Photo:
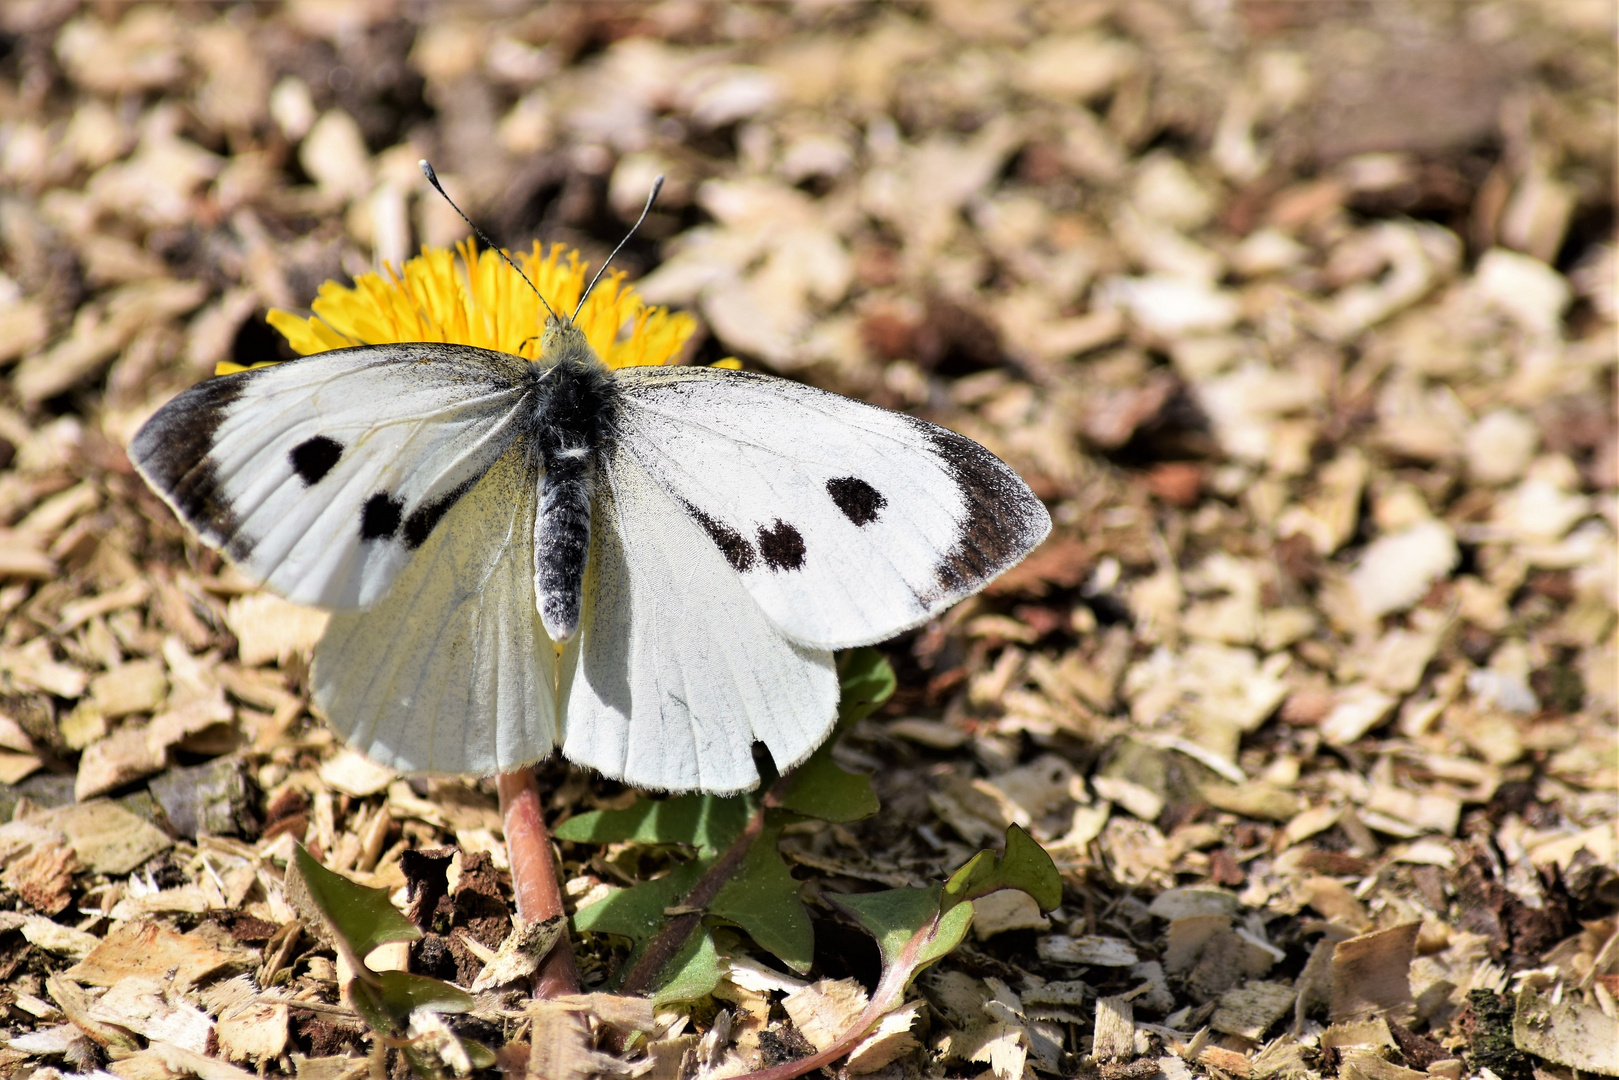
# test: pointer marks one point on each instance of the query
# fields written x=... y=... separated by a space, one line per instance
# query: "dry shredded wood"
x=1300 y=317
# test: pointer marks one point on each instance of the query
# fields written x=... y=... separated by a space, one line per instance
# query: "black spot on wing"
x=1002 y=521
x=313 y=458
x=425 y=518
x=379 y=517
x=732 y=544
x=859 y=501
x=782 y=546
x=172 y=451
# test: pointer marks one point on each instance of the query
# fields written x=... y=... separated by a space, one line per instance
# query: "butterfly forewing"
x=322 y=476
x=675 y=671
x=846 y=523
x=452 y=671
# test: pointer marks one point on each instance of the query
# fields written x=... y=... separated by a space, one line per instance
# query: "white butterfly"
x=649 y=567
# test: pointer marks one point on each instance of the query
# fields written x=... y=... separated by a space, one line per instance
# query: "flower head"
x=486 y=304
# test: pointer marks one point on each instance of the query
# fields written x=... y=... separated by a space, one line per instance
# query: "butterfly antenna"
x=432 y=178
x=652 y=196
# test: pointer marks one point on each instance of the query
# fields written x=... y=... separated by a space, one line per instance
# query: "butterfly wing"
x=675 y=671
x=320 y=477
x=845 y=522
x=451 y=671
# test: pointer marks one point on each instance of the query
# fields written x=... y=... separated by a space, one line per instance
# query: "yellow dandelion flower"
x=486 y=304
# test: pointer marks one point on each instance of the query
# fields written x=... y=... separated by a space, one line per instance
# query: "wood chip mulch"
x=1300 y=317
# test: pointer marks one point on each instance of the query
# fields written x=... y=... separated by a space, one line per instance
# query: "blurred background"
x=1298 y=313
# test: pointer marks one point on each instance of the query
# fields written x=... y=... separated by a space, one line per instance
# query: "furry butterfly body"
x=647 y=567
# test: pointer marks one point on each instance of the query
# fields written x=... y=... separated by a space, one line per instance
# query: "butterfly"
x=649 y=567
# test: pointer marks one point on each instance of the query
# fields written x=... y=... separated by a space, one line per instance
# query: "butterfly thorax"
x=574 y=421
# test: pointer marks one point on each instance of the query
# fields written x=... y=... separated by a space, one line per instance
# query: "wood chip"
x=562 y=1047
x=1395 y=570
x=520 y=954
x=139 y=686
x=163 y=1061
x=76 y=613
x=1094 y=949
x=51 y=936
x=1371 y=974
x=889 y=1041
x=823 y=1011
x=1115 y=1035
x=123 y=756
x=147 y=1006
x=106 y=837
x=1009 y=909
x=32 y=666
x=1252 y=1008
x=268 y=629
x=139 y=948
x=42 y=877
x=1558 y=1025
x=355 y=775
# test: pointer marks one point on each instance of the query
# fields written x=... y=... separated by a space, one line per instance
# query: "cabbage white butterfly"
x=648 y=567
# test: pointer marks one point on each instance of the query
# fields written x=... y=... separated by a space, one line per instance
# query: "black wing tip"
x=171 y=453
x=1004 y=519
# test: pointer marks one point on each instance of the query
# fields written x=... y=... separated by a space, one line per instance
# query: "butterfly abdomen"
x=575 y=421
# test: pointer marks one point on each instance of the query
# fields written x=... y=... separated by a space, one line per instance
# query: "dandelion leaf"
x=893 y=916
x=693 y=972
x=406 y=993
x=763 y=900
x=867 y=680
x=916 y=926
x=359 y=916
x=1024 y=865
x=824 y=790
x=706 y=822
x=637 y=912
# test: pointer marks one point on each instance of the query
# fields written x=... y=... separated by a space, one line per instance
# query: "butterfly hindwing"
x=675 y=671
x=845 y=522
x=452 y=671
x=320 y=477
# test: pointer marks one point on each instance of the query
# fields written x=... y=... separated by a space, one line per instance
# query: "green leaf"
x=693 y=972
x=762 y=898
x=1024 y=865
x=386 y=1004
x=915 y=927
x=367 y=1001
x=420 y=1064
x=403 y=993
x=361 y=916
x=480 y=1055
x=823 y=789
x=706 y=822
x=867 y=681
x=910 y=928
x=893 y=916
x=637 y=912
x=944 y=937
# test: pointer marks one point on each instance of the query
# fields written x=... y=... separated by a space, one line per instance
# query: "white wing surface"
x=320 y=477
x=675 y=671
x=845 y=522
x=452 y=671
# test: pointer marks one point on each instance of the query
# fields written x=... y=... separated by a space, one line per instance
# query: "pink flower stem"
x=534 y=876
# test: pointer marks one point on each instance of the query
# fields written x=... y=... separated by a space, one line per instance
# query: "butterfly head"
x=562 y=341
